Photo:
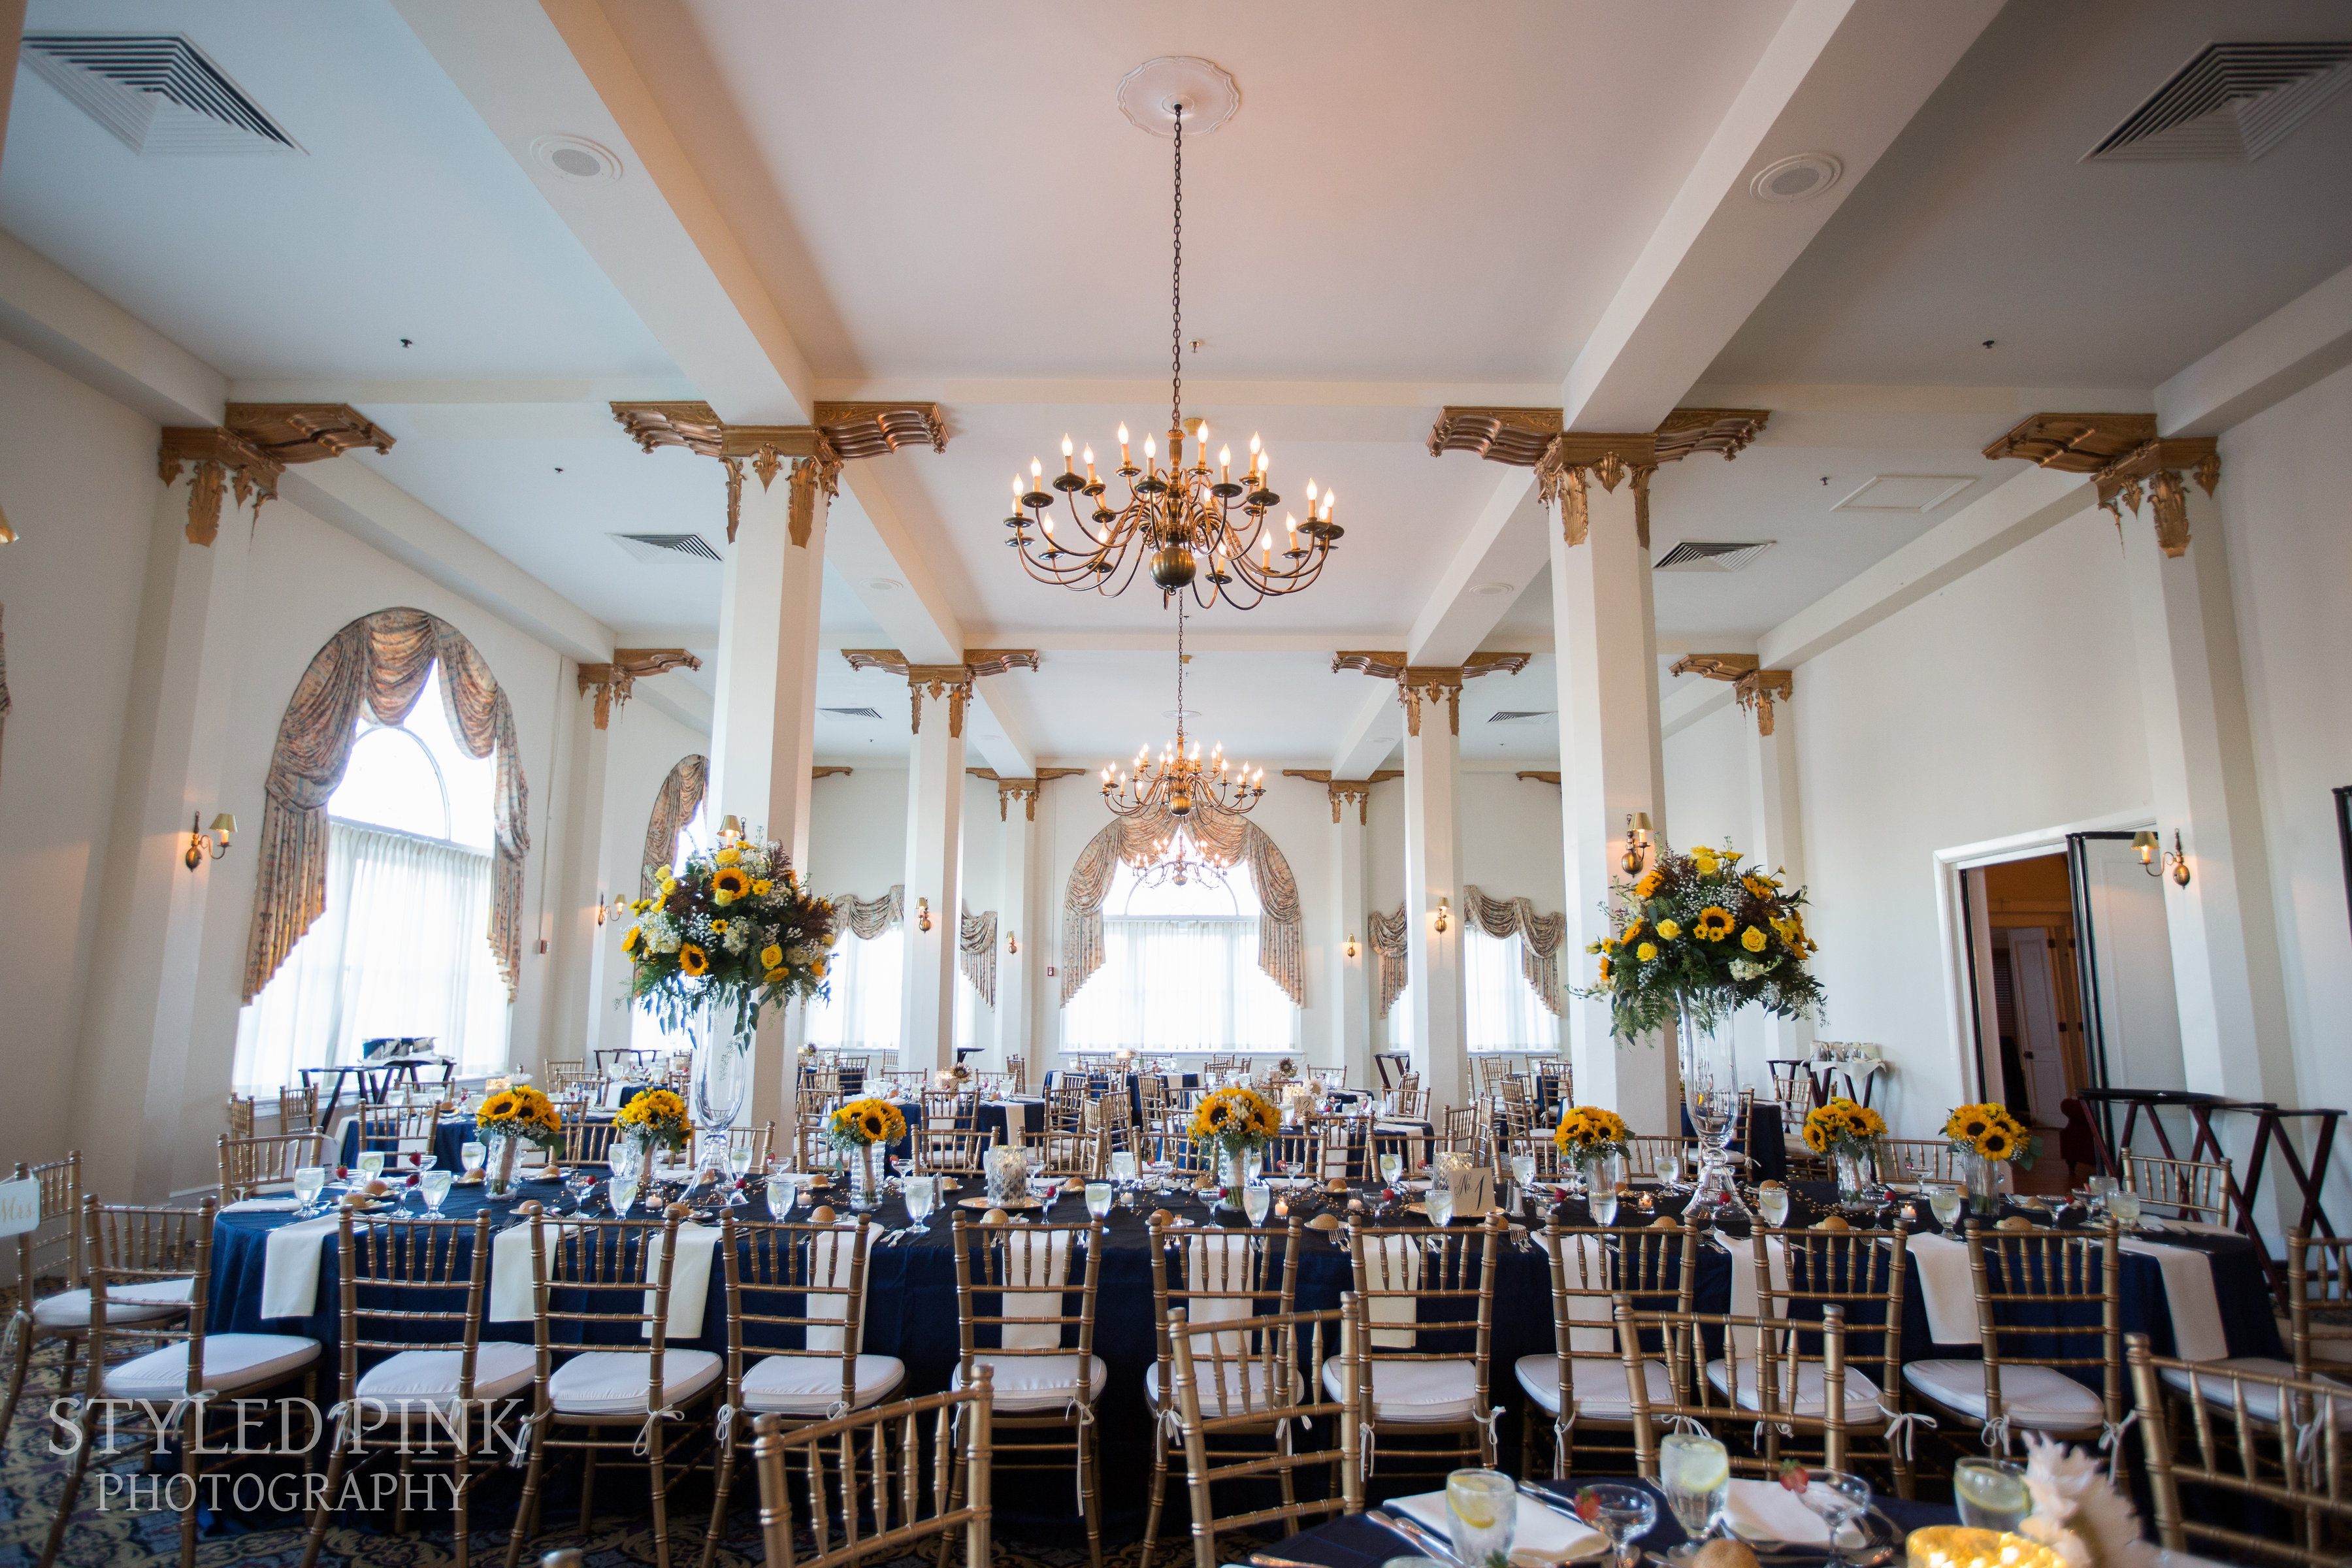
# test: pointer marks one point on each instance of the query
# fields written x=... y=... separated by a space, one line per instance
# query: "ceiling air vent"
x=1711 y=556
x=2234 y=101
x=1516 y=716
x=157 y=93
x=666 y=546
x=853 y=713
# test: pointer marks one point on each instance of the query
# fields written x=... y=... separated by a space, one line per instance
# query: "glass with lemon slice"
x=1482 y=1510
x=1694 y=1472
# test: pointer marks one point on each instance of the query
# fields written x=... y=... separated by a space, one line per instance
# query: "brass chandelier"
x=1201 y=530
x=1181 y=781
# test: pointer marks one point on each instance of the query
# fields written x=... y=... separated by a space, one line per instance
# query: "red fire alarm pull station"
x=1049 y=972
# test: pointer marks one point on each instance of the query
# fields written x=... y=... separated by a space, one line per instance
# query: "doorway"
x=2038 y=1056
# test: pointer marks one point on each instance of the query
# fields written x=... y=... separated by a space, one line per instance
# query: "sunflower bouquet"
x=1234 y=1121
x=1590 y=1132
x=659 y=1115
x=1698 y=937
x=523 y=1114
x=1991 y=1131
x=1843 y=1127
x=737 y=923
x=862 y=1123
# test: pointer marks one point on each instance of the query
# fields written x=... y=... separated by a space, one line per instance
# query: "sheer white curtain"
x=863 y=1012
x=402 y=949
x=1180 y=985
x=1505 y=1015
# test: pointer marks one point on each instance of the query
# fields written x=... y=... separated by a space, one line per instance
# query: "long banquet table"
x=912 y=1301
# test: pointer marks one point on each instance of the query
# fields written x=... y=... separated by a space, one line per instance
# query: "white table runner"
x=690 y=1278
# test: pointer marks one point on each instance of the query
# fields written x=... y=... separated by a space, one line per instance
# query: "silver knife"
x=1413 y=1533
x=1553 y=1501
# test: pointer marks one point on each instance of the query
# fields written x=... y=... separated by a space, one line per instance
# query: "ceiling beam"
x=1505 y=545
x=1370 y=733
x=1839 y=78
x=55 y=316
x=2293 y=346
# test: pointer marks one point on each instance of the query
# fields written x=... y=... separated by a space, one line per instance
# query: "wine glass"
x=1773 y=1202
x=1257 y=1198
x=1439 y=1204
x=1944 y=1200
x=1099 y=1195
x=309 y=1181
x=1482 y=1513
x=422 y=1162
x=435 y=1185
x=1622 y=1514
x=1840 y=1497
x=473 y=1153
x=1694 y=1472
x=920 y=1192
x=2123 y=1206
x=621 y=1191
x=1604 y=1207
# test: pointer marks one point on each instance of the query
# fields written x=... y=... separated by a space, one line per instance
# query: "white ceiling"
x=1415 y=205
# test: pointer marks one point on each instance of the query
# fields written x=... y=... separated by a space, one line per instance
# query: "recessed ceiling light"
x=577 y=159
x=1493 y=590
x=1796 y=179
x=885 y=584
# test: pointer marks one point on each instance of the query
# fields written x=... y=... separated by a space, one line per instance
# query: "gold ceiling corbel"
x=251 y=448
x=1540 y=775
x=1754 y=689
x=841 y=431
x=2127 y=460
x=1022 y=790
x=1346 y=792
x=1417 y=683
x=1564 y=459
x=950 y=681
x=611 y=683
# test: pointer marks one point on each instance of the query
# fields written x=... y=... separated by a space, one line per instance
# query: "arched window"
x=1179 y=970
x=400 y=948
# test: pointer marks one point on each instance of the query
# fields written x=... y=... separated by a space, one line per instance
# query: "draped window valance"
x=674 y=806
x=381 y=662
x=1281 y=935
x=1388 y=946
x=866 y=919
x=1540 y=939
x=976 y=953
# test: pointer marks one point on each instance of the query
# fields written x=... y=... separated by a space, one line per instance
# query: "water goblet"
x=1482 y=1514
x=621 y=1191
x=370 y=1165
x=1991 y=1494
x=1439 y=1204
x=2123 y=1206
x=1694 y=1472
x=309 y=1181
x=1667 y=1166
x=1944 y=1202
x=920 y=1192
x=1602 y=1205
x=473 y=1154
x=1523 y=1170
x=435 y=1185
x=423 y=1163
x=1122 y=1166
x=2101 y=1188
x=1622 y=1514
x=1258 y=1199
x=1391 y=1165
x=1773 y=1203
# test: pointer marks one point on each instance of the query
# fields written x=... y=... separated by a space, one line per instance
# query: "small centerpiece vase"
x=864 y=1188
x=1979 y=1174
x=502 y=1146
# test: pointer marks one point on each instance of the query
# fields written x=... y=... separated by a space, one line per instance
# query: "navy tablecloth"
x=450 y=1137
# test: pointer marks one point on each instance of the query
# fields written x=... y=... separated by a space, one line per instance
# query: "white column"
x=1345 y=990
x=583 y=949
x=934 y=863
x=763 y=724
x=1433 y=870
x=1604 y=635
x=1775 y=841
x=131 y=1081
x=1016 y=900
x=2225 y=970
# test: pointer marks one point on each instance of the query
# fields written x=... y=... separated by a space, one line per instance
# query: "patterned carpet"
x=32 y=1479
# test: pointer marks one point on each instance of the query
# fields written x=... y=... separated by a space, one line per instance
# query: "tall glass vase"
x=1711 y=1100
x=721 y=1080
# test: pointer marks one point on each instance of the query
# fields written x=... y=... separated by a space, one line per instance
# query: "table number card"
x=20 y=1207
x=1473 y=1189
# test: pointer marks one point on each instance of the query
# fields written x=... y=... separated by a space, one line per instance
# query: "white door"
x=2039 y=1042
x=2131 y=967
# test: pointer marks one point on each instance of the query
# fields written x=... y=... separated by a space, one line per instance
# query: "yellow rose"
x=1670 y=929
x=774 y=975
x=727 y=858
x=1752 y=939
x=817 y=969
x=771 y=956
x=1645 y=952
x=1705 y=860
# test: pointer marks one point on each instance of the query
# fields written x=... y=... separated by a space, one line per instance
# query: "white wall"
x=2284 y=476
x=1707 y=782
x=643 y=744
x=2003 y=704
x=857 y=831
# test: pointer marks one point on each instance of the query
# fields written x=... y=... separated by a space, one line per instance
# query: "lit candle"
x=1151 y=450
x=1065 y=453
x=1090 y=465
x=1254 y=451
x=1037 y=473
x=1017 y=492
x=1310 y=498
x=1225 y=464
x=1329 y=497
x=1122 y=448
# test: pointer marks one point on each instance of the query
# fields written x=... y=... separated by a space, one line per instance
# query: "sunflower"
x=692 y=960
x=760 y=887
x=1713 y=924
x=629 y=942
x=1762 y=887
x=1652 y=881
x=720 y=927
x=1670 y=929
x=1606 y=970
x=498 y=1107
x=728 y=885
x=771 y=957
x=1996 y=1143
x=1753 y=939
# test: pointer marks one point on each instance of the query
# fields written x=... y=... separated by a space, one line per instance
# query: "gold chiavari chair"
x=52 y=1282
x=1303 y=1151
x=1800 y=1273
x=399 y=1129
x=897 y=1514
x=2198 y=1192
x=1412 y=1098
x=753 y=1143
x=2298 y=1468
x=1755 y=1350
x=587 y=1141
x=298 y=1109
x=241 y=1115
x=1060 y=1152
x=1043 y=1385
x=407 y=1281
x=1551 y=1165
x=943 y=1108
x=1428 y=1369
x=821 y=1083
x=188 y=1385
x=1590 y=1267
x=250 y=1164
x=613 y=1275
x=1225 y=1064
x=2319 y=1303
x=1016 y=1072
x=561 y=1075
x=1215 y=1366
x=952 y=1151
x=787 y=1277
x=2028 y=1285
x=984 y=1082
x=1930 y=1158
x=1644 y=1150
x=1213 y=1276
x=1792 y=1091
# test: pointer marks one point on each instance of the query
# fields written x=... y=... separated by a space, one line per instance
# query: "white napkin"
x=1395 y=1265
x=290 y=1270
x=1766 y=1510
x=690 y=1278
x=1946 y=1288
x=263 y=1206
x=1588 y=1268
x=1744 y=1298
x=511 y=1290
x=1036 y=1260
x=2189 y=1289
x=1541 y=1532
x=613 y=1094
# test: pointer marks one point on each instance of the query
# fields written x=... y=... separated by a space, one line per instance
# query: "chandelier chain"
x=1176 y=295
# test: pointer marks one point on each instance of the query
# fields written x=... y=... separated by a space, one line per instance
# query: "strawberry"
x=1792 y=1476
x=1588 y=1507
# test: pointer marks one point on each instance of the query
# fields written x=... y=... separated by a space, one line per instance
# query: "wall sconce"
x=1637 y=841
x=600 y=908
x=1352 y=944
x=1443 y=912
x=200 y=846
x=730 y=828
x=2149 y=846
x=922 y=914
x=1011 y=943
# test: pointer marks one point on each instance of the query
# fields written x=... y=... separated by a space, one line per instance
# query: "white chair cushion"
x=430 y=1377
x=1026 y=1384
x=617 y=1383
x=2037 y=1396
x=811 y=1385
x=1415 y=1390
x=1861 y=1393
x=124 y=1304
x=231 y=1361
x=2262 y=1401
x=1249 y=1391
x=1601 y=1393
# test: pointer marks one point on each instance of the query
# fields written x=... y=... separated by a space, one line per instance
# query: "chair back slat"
x=855 y=1454
x=1753 y=1350
x=52 y=1251
x=130 y=1244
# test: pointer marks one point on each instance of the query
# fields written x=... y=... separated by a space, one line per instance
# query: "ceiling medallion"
x=1184 y=521
x=1181 y=783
